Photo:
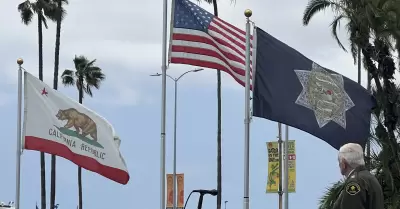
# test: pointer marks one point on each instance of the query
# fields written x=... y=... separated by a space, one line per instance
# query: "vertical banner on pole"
x=273 y=167
x=292 y=166
x=181 y=190
x=170 y=191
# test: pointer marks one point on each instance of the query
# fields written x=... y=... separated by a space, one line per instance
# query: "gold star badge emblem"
x=353 y=188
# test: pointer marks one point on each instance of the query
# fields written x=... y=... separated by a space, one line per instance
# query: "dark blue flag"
x=292 y=89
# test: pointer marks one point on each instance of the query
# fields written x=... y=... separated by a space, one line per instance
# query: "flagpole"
x=286 y=167
x=248 y=14
x=18 y=152
x=163 y=104
x=280 y=163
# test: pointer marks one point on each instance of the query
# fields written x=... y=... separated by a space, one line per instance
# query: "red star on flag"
x=44 y=92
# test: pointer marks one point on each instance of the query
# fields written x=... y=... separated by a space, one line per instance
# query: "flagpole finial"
x=20 y=61
x=248 y=13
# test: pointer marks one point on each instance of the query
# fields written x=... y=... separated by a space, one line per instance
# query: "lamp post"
x=226 y=201
x=175 y=111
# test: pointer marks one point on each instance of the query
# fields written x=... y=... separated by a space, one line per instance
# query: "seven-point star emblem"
x=324 y=94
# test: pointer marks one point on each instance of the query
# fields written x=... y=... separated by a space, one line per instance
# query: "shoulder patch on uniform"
x=353 y=188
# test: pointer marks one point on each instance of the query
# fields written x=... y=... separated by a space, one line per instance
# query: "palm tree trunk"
x=57 y=48
x=219 y=144
x=55 y=86
x=42 y=157
x=80 y=80
x=219 y=121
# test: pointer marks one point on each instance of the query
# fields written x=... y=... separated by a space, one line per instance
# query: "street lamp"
x=175 y=110
x=202 y=192
x=226 y=201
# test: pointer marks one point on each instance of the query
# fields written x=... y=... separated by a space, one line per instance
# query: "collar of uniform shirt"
x=351 y=172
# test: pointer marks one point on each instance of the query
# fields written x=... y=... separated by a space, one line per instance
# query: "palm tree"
x=60 y=13
x=86 y=76
x=43 y=9
x=372 y=20
x=219 y=123
x=377 y=19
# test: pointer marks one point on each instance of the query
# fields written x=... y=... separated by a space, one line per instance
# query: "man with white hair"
x=361 y=189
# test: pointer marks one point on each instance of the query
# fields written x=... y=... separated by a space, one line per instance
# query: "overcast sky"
x=125 y=38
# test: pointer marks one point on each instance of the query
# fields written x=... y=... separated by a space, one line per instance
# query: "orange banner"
x=170 y=193
x=181 y=190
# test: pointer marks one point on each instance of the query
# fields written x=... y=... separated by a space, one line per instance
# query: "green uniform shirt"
x=361 y=191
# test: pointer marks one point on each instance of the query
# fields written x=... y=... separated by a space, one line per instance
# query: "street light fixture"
x=226 y=201
x=175 y=110
x=177 y=79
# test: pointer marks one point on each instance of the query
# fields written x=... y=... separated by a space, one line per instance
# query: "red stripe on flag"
x=207 y=52
x=202 y=39
x=234 y=27
x=206 y=64
x=54 y=148
x=234 y=42
x=230 y=33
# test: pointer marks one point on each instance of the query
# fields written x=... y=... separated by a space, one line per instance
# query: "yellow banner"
x=273 y=167
x=170 y=194
x=181 y=190
x=292 y=166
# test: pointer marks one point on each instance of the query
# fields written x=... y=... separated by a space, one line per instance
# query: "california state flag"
x=58 y=125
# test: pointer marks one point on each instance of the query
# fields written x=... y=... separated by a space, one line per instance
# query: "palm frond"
x=98 y=75
x=334 y=27
x=68 y=72
x=26 y=12
x=354 y=52
x=68 y=77
x=90 y=64
x=332 y=193
x=313 y=7
x=50 y=10
x=68 y=80
x=88 y=90
x=44 y=21
x=80 y=62
x=61 y=12
x=94 y=77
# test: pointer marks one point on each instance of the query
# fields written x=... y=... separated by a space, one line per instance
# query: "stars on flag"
x=44 y=92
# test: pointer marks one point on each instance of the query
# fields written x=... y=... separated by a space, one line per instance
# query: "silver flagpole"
x=163 y=104
x=286 y=167
x=18 y=152
x=248 y=14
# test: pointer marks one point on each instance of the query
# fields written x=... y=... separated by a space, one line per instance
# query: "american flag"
x=201 y=39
